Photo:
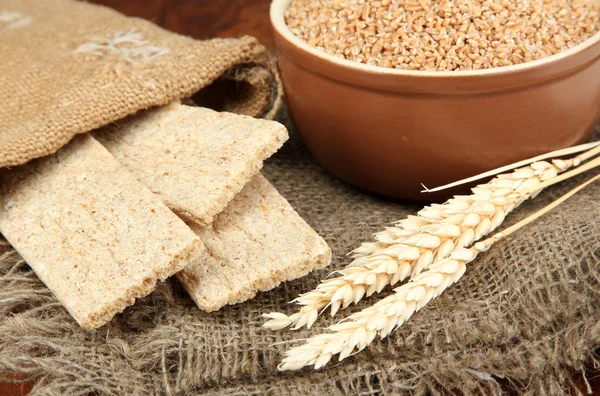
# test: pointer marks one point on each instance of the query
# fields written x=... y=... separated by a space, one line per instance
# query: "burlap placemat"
x=525 y=316
x=69 y=67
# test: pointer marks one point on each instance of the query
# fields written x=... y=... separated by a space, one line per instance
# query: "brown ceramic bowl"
x=389 y=130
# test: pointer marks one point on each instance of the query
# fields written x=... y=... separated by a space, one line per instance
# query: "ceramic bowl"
x=389 y=131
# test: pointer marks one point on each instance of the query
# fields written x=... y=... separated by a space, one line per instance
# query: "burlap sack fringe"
x=524 y=318
x=70 y=67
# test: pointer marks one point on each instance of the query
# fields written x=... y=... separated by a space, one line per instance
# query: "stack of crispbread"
x=174 y=190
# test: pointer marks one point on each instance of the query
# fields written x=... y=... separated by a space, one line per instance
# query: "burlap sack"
x=69 y=67
x=526 y=315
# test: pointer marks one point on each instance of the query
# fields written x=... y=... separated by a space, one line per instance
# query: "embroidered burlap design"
x=525 y=316
x=68 y=67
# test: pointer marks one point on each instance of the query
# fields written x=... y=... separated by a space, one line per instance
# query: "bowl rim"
x=278 y=8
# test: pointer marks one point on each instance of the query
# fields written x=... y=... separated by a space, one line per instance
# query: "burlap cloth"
x=525 y=317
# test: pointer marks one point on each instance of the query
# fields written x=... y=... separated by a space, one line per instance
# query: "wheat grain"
x=360 y=329
x=417 y=241
x=443 y=35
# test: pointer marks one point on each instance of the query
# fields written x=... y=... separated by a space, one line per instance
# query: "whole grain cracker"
x=92 y=233
x=194 y=159
x=256 y=243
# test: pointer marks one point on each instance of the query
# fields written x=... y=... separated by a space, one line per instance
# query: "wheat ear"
x=360 y=329
x=416 y=242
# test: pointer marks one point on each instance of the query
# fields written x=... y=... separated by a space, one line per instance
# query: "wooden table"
x=203 y=19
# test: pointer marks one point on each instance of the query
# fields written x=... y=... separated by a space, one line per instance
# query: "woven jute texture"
x=69 y=67
x=526 y=315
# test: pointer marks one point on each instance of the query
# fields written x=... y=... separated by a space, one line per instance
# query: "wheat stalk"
x=416 y=242
x=589 y=150
x=360 y=329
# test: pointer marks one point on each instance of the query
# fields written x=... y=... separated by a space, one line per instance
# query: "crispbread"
x=256 y=243
x=92 y=233
x=194 y=159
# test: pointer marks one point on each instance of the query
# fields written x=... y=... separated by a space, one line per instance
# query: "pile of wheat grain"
x=443 y=34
